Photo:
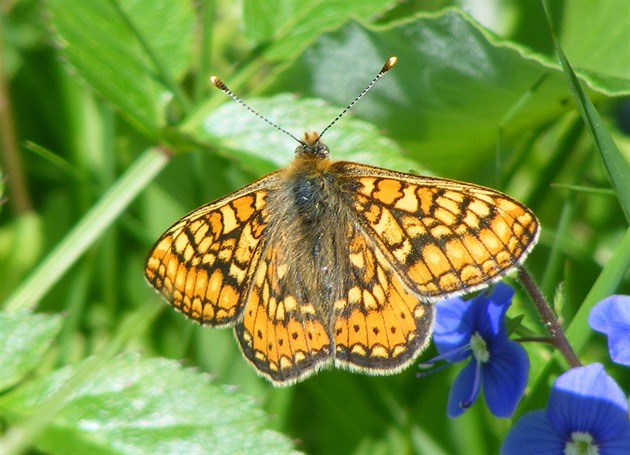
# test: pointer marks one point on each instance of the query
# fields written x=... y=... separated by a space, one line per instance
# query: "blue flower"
x=587 y=413
x=611 y=316
x=475 y=330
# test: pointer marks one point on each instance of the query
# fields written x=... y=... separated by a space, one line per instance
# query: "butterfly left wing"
x=202 y=265
x=442 y=237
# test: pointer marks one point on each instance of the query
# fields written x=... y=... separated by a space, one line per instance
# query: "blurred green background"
x=111 y=132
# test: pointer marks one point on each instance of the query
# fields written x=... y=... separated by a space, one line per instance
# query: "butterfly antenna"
x=218 y=83
x=389 y=64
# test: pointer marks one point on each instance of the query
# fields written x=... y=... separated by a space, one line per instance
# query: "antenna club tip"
x=218 y=83
x=389 y=64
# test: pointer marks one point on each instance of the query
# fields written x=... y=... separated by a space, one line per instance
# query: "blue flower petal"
x=611 y=316
x=453 y=327
x=533 y=434
x=490 y=314
x=618 y=445
x=619 y=348
x=587 y=399
x=457 y=319
x=584 y=400
x=462 y=390
x=504 y=379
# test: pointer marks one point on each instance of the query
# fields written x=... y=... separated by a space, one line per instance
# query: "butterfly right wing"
x=442 y=237
x=203 y=264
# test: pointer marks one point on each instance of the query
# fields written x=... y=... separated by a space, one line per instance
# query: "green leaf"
x=99 y=43
x=596 y=25
x=147 y=406
x=288 y=27
x=452 y=87
x=24 y=337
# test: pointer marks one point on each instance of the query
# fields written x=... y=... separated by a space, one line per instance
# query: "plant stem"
x=546 y=340
x=84 y=233
x=558 y=338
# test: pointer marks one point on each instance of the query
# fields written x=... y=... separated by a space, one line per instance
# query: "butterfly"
x=336 y=263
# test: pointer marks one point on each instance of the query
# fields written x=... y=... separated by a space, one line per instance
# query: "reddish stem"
x=558 y=339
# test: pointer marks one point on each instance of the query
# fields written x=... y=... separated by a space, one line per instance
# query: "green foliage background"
x=111 y=132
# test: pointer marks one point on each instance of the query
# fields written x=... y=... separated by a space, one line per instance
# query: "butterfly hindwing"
x=281 y=333
x=380 y=327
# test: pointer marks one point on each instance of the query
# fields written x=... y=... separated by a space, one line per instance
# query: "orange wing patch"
x=380 y=327
x=281 y=334
x=203 y=263
x=442 y=237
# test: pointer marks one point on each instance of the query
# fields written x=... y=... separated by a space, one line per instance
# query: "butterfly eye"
x=322 y=150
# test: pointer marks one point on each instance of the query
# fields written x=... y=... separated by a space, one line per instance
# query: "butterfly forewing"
x=202 y=264
x=440 y=236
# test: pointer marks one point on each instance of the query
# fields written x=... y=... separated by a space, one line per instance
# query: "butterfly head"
x=311 y=147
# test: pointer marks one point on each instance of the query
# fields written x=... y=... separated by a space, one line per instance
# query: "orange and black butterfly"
x=336 y=263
